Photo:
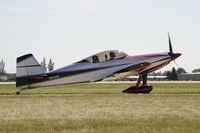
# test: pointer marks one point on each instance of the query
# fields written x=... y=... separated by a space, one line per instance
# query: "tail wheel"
x=18 y=93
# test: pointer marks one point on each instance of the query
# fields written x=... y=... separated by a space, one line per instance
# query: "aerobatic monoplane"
x=111 y=64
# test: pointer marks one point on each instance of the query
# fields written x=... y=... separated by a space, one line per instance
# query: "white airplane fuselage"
x=91 y=72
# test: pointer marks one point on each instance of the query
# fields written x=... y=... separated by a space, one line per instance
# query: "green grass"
x=169 y=108
x=105 y=88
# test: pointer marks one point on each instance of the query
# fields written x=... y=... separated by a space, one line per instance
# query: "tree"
x=174 y=75
x=171 y=75
x=196 y=70
x=43 y=64
x=2 y=67
x=181 y=71
x=168 y=74
x=50 y=65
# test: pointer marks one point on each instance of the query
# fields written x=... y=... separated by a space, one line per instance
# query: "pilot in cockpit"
x=95 y=59
x=112 y=55
x=106 y=57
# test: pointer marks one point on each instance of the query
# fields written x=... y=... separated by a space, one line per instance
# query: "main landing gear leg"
x=144 y=88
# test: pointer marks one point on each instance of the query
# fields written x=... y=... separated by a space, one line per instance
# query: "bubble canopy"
x=105 y=56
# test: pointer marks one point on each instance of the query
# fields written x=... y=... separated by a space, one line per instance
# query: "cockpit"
x=105 y=56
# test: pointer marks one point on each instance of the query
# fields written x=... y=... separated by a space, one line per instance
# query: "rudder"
x=27 y=66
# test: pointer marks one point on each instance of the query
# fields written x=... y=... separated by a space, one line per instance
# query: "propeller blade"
x=170 y=45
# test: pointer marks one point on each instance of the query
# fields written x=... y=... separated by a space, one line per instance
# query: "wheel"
x=136 y=90
x=146 y=89
x=18 y=93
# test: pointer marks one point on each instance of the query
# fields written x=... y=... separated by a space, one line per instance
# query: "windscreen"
x=105 y=56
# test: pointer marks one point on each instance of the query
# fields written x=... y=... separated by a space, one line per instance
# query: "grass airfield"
x=101 y=107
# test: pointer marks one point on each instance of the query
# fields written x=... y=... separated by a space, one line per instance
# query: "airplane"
x=101 y=66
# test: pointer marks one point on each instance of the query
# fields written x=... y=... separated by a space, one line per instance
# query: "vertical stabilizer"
x=27 y=67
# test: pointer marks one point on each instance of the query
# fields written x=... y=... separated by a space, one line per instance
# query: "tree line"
x=171 y=74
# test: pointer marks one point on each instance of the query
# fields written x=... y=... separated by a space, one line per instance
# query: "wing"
x=121 y=69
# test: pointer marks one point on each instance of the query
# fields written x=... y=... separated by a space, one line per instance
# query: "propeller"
x=171 y=53
x=170 y=45
x=176 y=64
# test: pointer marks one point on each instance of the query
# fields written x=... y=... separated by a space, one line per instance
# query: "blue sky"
x=69 y=30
